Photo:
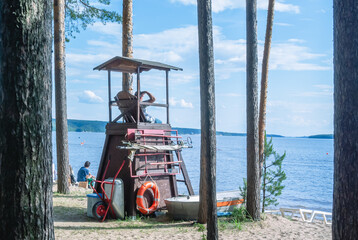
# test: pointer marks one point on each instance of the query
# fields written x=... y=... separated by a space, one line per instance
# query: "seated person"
x=151 y=99
x=83 y=174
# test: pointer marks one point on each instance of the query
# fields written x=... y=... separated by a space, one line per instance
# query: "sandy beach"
x=71 y=222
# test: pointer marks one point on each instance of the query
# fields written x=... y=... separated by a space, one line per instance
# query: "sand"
x=71 y=222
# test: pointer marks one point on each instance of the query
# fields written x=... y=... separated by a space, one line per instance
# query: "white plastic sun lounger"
x=305 y=214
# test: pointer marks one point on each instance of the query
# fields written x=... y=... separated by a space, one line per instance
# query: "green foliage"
x=81 y=13
x=222 y=225
x=272 y=175
x=241 y=215
x=243 y=190
x=201 y=227
x=238 y=218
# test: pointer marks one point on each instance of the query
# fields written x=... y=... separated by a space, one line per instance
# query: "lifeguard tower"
x=151 y=151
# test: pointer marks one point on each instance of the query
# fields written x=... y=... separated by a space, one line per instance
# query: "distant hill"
x=324 y=136
x=100 y=126
x=83 y=125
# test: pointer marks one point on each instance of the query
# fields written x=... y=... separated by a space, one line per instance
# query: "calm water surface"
x=308 y=165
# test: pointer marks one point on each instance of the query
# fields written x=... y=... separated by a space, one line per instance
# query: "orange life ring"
x=140 y=202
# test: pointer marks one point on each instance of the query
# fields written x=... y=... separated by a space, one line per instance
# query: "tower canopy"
x=131 y=65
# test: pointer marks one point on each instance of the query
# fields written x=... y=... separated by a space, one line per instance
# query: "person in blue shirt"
x=83 y=174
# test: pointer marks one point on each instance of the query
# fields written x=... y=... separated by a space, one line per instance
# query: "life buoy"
x=140 y=202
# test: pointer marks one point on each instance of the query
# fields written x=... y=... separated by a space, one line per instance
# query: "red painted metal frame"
x=158 y=163
x=104 y=197
x=132 y=134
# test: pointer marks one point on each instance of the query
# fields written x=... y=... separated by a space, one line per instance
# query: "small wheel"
x=99 y=210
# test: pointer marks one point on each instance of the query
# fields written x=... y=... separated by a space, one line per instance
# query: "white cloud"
x=169 y=46
x=282 y=24
x=229 y=94
x=301 y=117
x=221 y=5
x=232 y=60
x=325 y=87
x=322 y=11
x=230 y=55
x=314 y=94
x=322 y=90
x=289 y=56
x=181 y=103
x=76 y=58
x=185 y=2
x=294 y=40
x=78 y=81
x=103 y=44
x=178 y=46
x=70 y=71
x=282 y=7
x=113 y=29
x=296 y=108
x=89 y=97
x=232 y=95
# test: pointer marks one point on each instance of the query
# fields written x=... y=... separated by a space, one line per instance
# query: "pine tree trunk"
x=264 y=80
x=345 y=189
x=60 y=98
x=25 y=120
x=127 y=42
x=264 y=187
x=207 y=205
x=253 y=178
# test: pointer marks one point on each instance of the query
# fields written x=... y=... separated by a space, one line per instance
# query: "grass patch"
x=237 y=220
x=201 y=228
x=65 y=210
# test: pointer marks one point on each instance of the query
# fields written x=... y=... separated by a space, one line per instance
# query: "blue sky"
x=300 y=89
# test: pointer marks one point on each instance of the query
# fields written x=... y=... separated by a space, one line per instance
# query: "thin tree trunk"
x=264 y=80
x=345 y=189
x=253 y=178
x=127 y=42
x=264 y=187
x=207 y=205
x=60 y=97
x=25 y=120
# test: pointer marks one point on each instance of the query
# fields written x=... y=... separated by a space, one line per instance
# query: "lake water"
x=308 y=165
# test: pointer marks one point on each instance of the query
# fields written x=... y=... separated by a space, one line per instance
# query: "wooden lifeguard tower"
x=160 y=165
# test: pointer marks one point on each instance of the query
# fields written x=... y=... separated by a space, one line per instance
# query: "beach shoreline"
x=71 y=221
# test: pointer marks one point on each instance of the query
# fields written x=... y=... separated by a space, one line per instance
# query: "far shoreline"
x=100 y=126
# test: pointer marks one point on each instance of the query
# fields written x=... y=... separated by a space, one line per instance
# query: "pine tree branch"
x=93 y=8
x=270 y=181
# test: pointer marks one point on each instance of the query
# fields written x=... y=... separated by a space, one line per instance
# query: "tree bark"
x=264 y=80
x=264 y=188
x=253 y=178
x=345 y=189
x=207 y=205
x=25 y=120
x=127 y=42
x=60 y=97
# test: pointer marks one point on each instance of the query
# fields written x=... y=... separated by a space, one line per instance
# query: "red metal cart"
x=101 y=208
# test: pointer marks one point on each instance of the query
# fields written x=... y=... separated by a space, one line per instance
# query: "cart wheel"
x=99 y=210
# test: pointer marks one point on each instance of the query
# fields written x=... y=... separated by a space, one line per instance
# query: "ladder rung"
x=164 y=163
x=153 y=154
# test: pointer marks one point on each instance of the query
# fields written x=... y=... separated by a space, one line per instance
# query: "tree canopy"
x=81 y=13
